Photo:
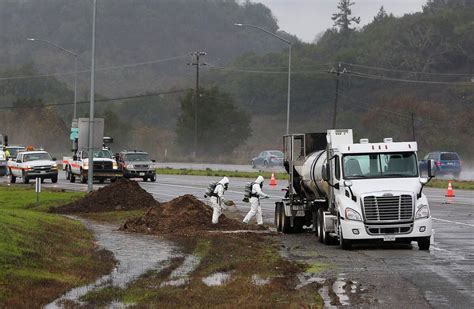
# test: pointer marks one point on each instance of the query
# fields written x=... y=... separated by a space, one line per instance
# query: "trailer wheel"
x=424 y=243
x=285 y=221
x=278 y=206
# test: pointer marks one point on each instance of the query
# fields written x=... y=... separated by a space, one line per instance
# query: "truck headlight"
x=86 y=166
x=54 y=166
x=422 y=212
x=351 y=214
x=114 y=165
x=130 y=166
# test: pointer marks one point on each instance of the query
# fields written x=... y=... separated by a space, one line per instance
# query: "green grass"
x=457 y=184
x=219 y=173
x=43 y=255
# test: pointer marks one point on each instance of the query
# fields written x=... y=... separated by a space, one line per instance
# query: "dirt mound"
x=184 y=215
x=121 y=195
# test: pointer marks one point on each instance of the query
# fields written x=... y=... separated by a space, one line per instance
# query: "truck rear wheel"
x=323 y=236
x=153 y=178
x=12 y=178
x=72 y=178
x=25 y=179
x=424 y=243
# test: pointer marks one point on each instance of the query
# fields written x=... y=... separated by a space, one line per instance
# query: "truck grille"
x=388 y=208
x=102 y=166
x=141 y=166
x=41 y=168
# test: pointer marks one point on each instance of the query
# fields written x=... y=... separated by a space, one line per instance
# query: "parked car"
x=446 y=163
x=136 y=164
x=13 y=150
x=268 y=158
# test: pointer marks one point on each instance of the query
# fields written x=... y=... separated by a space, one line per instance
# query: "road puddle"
x=136 y=254
x=259 y=281
x=339 y=288
x=180 y=276
x=217 y=279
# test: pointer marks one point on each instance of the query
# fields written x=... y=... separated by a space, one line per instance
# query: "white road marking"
x=454 y=222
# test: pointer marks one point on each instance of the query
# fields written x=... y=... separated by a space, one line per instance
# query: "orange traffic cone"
x=273 y=181
x=450 y=192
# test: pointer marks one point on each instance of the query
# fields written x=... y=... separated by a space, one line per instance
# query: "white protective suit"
x=255 y=208
x=218 y=199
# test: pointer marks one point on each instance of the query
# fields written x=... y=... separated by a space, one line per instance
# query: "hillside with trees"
x=408 y=77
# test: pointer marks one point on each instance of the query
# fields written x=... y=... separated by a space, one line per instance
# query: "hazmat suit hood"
x=259 y=179
x=224 y=181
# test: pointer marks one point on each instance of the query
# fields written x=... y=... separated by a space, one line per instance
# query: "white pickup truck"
x=105 y=167
x=33 y=164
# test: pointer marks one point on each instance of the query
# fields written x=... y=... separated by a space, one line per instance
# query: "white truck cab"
x=378 y=191
x=354 y=192
x=33 y=164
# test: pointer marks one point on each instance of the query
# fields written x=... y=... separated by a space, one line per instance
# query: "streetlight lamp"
x=289 y=68
x=75 y=69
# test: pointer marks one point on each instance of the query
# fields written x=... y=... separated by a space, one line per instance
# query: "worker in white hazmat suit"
x=255 y=196
x=217 y=199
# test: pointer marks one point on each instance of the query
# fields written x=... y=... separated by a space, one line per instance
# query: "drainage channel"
x=136 y=254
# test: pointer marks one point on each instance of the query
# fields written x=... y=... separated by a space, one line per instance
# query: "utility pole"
x=338 y=73
x=413 y=126
x=196 y=62
x=90 y=175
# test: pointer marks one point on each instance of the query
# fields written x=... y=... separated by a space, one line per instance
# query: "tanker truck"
x=354 y=192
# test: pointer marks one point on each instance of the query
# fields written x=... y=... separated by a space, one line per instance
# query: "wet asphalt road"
x=389 y=276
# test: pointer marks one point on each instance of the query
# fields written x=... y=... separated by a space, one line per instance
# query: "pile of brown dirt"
x=121 y=195
x=184 y=215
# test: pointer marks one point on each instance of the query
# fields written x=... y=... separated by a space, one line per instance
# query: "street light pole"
x=196 y=61
x=90 y=175
x=75 y=68
x=289 y=68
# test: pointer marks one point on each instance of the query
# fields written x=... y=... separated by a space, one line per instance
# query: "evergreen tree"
x=344 y=19
x=381 y=15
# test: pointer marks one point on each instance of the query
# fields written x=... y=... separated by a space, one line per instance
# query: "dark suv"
x=136 y=164
x=446 y=163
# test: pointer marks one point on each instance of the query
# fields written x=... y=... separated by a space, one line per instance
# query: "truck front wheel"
x=424 y=243
x=346 y=244
x=72 y=178
x=83 y=179
x=54 y=179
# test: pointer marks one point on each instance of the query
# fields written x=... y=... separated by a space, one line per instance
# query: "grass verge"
x=43 y=255
x=457 y=184
x=219 y=173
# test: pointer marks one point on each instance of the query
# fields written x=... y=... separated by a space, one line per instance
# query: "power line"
x=99 y=69
x=238 y=69
x=99 y=100
x=404 y=71
x=384 y=78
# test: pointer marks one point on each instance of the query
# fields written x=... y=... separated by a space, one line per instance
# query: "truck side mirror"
x=325 y=172
x=153 y=161
x=53 y=159
x=431 y=168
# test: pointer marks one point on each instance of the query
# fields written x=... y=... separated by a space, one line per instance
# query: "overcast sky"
x=307 y=18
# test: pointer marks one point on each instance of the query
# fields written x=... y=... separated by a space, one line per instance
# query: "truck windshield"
x=36 y=157
x=14 y=151
x=102 y=154
x=380 y=165
x=137 y=157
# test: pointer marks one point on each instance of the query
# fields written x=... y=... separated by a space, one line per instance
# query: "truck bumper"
x=138 y=173
x=43 y=175
x=104 y=173
x=356 y=230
